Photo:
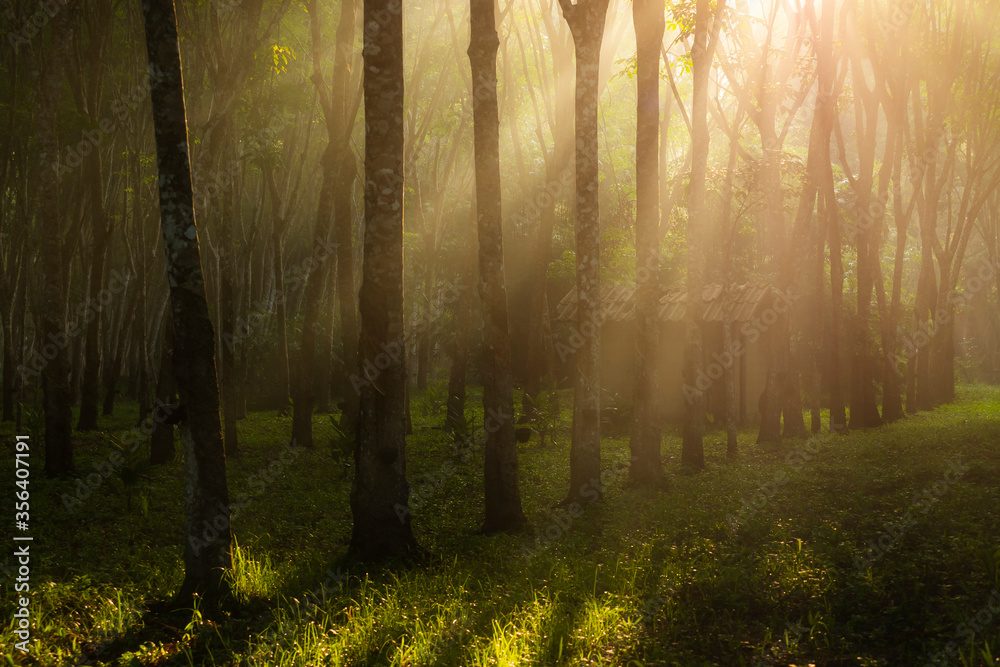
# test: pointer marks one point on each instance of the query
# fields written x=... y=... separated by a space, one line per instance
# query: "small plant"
x=341 y=444
x=33 y=420
x=546 y=416
x=131 y=474
x=435 y=398
x=460 y=427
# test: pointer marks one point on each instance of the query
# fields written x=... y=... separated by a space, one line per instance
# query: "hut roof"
x=618 y=303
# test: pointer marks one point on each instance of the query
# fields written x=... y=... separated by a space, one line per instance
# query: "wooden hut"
x=752 y=310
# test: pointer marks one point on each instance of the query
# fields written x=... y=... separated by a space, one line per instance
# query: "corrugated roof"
x=618 y=303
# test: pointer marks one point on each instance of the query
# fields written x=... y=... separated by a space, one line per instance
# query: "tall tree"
x=206 y=503
x=380 y=492
x=552 y=100
x=304 y=387
x=346 y=92
x=97 y=18
x=503 y=498
x=867 y=102
x=648 y=19
x=706 y=36
x=586 y=23
x=818 y=172
x=57 y=395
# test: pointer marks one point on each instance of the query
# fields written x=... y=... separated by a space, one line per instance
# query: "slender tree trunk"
x=819 y=334
x=57 y=396
x=161 y=442
x=727 y=231
x=90 y=388
x=13 y=350
x=242 y=367
x=278 y=228
x=646 y=468
x=334 y=110
x=305 y=394
x=323 y=376
x=692 y=448
x=426 y=324
x=586 y=23
x=9 y=363
x=207 y=555
x=228 y=309
x=380 y=492
x=892 y=400
x=141 y=376
x=460 y=352
x=503 y=496
x=540 y=265
x=943 y=340
x=113 y=373
x=343 y=207
x=925 y=302
x=793 y=422
x=838 y=411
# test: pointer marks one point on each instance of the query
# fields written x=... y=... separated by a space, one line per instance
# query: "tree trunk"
x=343 y=209
x=141 y=376
x=503 y=497
x=727 y=345
x=227 y=319
x=692 y=448
x=13 y=351
x=305 y=393
x=113 y=373
x=460 y=353
x=323 y=376
x=9 y=362
x=793 y=423
x=380 y=492
x=819 y=334
x=90 y=388
x=838 y=412
x=161 y=442
x=646 y=468
x=278 y=228
x=925 y=302
x=347 y=295
x=57 y=396
x=892 y=401
x=208 y=531
x=586 y=23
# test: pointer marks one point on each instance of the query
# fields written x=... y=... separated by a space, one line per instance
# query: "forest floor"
x=875 y=548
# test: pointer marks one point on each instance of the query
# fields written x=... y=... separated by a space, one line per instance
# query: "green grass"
x=751 y=562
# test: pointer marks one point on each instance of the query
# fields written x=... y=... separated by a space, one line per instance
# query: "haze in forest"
x=494 y=332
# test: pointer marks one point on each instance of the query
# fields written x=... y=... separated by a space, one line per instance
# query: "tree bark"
x=380 y=492
x=279 y=225
x=305 y=388
x=57 y=395
x=503 y=498
x=838 y=411
x=586 y=23
x=206 y=556
x=344 y=87
x=460 y=352
x=347 y=295
x=323 y=376
x=161 y=441
x=692 y=448
x=646 y=468
x=90 y=388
